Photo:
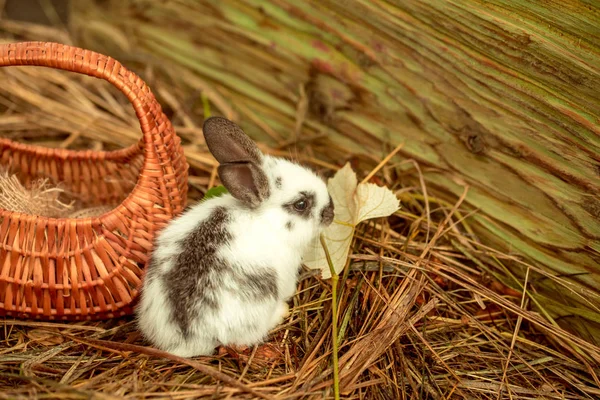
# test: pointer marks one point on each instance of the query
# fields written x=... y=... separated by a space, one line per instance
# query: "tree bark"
x=501 y=95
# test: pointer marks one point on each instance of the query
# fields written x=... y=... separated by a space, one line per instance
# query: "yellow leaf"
x=353 y=204
x=375 y=202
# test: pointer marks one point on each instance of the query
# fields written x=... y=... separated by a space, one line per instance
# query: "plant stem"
x=334 y=317
x=205 y=105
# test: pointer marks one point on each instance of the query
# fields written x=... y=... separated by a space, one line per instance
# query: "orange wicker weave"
x=89 y=268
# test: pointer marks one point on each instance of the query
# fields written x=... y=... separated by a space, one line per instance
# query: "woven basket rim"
x=76 y=153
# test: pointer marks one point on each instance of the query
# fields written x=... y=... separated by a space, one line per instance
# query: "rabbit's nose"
x=327 y=213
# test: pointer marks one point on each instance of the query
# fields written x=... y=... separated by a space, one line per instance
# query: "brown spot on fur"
x=327 y=213
x=258 y=285
x=197 y=274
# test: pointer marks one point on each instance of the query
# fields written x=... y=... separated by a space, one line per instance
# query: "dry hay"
x=40 y=198
x=425 y=310
x=43 y=198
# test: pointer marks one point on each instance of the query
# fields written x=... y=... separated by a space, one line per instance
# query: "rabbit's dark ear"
x=240 y=159
x=228 y=143
x=245 y=181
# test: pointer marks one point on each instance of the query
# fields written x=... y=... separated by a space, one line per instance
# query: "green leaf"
x=215 y=192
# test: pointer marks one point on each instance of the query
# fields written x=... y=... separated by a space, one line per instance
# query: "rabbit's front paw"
x=281 y=313
x=284 y=310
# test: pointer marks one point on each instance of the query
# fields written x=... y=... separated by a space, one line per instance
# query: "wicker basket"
x=89 y=268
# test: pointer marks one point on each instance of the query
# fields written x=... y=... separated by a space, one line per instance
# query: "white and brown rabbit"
x=223 y=271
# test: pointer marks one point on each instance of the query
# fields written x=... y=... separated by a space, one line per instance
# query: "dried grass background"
x=425 y=310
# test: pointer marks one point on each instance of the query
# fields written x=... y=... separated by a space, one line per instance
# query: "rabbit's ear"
x=245 y=181
x=228 y=143
x=240 y=159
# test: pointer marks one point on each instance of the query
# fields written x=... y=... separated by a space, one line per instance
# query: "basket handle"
x=147 y=109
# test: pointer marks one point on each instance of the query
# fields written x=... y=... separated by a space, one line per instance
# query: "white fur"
x=260 y=239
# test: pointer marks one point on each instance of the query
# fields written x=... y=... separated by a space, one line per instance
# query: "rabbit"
x=223 y=271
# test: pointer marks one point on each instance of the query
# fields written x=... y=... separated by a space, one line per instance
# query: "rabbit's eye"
x=300 y=205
